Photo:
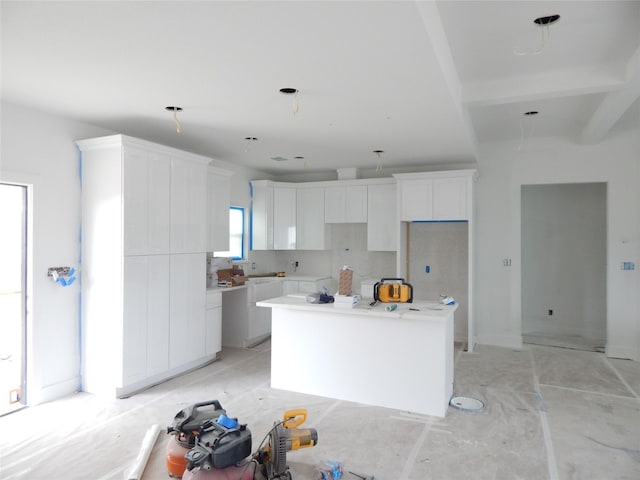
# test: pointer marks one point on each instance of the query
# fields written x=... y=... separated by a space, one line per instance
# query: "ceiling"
x=426 y=82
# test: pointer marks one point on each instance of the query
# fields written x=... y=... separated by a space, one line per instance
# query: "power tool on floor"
x=208 y=445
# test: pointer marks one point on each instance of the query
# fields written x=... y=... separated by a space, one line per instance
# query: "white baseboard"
x=53 y=392
x=621 y=351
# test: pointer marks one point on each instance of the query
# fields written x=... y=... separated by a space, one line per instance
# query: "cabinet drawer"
x=214 y=299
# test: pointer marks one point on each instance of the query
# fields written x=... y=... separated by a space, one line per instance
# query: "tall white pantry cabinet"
x=144 y=241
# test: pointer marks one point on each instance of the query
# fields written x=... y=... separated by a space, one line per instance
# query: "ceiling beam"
x=435 y=31
x=614 y=105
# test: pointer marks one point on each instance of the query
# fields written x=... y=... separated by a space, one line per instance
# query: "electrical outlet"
x=627 y=266
x=506 y=262
x=550 y=312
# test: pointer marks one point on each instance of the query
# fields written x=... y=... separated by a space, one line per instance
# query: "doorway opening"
x=564 y=265
x=13 y=254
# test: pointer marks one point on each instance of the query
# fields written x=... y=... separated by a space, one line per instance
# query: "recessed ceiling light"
x=548 y=20
x=278 y=159
x=288 y=91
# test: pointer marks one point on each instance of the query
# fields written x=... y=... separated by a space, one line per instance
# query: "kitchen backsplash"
x=349 y=247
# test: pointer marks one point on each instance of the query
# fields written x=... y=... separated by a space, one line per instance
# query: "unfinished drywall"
x=564 y=291
x=438 y=265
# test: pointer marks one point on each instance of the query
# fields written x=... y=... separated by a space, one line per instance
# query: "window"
x=236 y=234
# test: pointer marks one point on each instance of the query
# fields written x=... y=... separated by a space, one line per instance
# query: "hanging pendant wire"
x=379 y=163
x=544 y=38
x=530 y=118
x=296 y=104
x=175 y=111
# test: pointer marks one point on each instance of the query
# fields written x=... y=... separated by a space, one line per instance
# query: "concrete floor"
x=550 y=413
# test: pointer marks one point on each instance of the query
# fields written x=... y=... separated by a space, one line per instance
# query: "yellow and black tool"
x=393 y=290
x=284 y=437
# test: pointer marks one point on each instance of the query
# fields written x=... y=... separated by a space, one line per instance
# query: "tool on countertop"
x=392 y=290
x=364 y=477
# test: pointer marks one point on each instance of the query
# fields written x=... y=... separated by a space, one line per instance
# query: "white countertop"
x=415 y=310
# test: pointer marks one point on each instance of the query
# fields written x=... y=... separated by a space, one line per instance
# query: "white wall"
x=503 y=170
x=39 y=150
x=564 y=242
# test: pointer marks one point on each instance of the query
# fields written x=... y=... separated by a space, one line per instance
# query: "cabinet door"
x=146 y=317
x=450 y=198
x=146 y=209
x=187 y=305
x=159 y=275
x=188 y=206
x=334 y=202
x=290 y=287
x=213 y=339
x=261 y=216
x=311 y=233
x=259 y=322
x=381 y=224
x=284 y=218
x=416 y=200
x=134 y=332
x=219 y=195
x=356 y=204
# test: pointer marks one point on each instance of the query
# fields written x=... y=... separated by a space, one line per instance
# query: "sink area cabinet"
x=244 y=324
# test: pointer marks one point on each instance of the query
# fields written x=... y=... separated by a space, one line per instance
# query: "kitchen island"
x=401 y=359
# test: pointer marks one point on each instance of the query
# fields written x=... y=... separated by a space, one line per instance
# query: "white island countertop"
x=415 y=310
x=401 y=359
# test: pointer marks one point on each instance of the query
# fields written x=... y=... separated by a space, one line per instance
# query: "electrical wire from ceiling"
x=545 y=33
x=175 y=111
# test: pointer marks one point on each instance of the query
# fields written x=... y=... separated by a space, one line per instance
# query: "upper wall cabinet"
x=273 y=216
x=188 y=205
x=435 y=195
x=284 y=218
x=381 y=231
x=218 y=202
x=146 y=208
x=345 y=204
x=261 y=215
x=311 y=231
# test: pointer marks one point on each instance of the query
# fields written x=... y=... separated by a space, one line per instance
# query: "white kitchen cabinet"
x=284 y=218
x=261 y=215
x=146 y=205
x=416 y=199
x=305 y=285
x=136 y=294
x=145 y=318
x=273 y=216
x=188 y=206
x=382 y=217
x=187 y=306
x=259 y=326
x=213 y=328
x=434 y=195
x=218 y=202
x=311 y=231
x=450 y=198
x=345 y=204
